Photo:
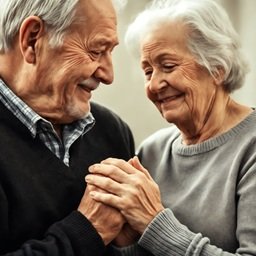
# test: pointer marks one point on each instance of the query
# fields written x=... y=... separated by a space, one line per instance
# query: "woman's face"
x=182 y=90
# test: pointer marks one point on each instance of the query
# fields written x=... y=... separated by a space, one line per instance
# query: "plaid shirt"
x=39 y=126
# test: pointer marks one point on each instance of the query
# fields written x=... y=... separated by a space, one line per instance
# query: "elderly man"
x=53 y=54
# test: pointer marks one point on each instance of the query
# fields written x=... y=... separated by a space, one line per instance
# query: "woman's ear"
x=30 y=32
x=219 y=76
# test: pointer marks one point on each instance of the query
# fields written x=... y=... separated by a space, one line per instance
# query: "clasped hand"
x=127 y=187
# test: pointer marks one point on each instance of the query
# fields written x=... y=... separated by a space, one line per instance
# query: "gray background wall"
x=126 y=95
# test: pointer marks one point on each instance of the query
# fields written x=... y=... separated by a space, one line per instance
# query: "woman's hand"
x=128 y=187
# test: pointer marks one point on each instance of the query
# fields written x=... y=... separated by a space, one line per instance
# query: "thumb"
x=137 y=164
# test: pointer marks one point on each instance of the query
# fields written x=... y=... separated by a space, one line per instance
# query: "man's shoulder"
x=111 y=132
x=101 y=112
x=107 y=118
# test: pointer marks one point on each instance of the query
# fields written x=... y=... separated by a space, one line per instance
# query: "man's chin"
x=75 y=113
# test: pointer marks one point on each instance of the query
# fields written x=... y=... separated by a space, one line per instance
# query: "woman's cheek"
x=151 y=96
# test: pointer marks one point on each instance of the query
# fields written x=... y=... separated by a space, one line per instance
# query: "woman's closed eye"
x=168 y=67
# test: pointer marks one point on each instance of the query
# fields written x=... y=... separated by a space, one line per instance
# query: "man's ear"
x=30 y=31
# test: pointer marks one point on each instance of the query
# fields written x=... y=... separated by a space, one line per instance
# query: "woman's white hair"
x=211 y=37
x=57 y=15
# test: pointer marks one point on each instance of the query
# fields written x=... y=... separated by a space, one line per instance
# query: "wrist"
x=126 y=237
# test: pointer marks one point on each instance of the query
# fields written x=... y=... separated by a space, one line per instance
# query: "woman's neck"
x=223 y=115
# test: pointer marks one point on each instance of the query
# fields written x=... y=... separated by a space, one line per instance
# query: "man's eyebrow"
x=144 y=64
x=107 y=41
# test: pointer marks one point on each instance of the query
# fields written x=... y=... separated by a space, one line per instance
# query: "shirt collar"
x=30 y=118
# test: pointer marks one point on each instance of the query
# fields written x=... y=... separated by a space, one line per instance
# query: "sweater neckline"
x=212 y=143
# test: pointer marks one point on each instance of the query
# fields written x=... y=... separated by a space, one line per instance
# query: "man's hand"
x=127 y=236
x=107 y=220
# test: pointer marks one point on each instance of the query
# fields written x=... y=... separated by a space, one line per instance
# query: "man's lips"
x=85 y=88
x=89 y=85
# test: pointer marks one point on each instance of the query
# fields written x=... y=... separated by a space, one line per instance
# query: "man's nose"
x=104 y=72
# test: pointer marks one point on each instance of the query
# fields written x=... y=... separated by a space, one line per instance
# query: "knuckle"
x=122 y=205
x=123 y=162
x=108 y=183
x=112 y=170
x=136 y=181
x=126 y=204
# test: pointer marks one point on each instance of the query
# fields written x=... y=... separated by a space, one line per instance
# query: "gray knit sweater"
x=209 y=191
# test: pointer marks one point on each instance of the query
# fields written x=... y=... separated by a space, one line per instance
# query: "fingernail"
x=91 y=168
x=87 y=179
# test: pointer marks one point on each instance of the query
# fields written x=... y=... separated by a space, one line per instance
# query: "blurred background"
x=126 y=96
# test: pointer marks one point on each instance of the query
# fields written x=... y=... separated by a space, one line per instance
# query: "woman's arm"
x=137 y=196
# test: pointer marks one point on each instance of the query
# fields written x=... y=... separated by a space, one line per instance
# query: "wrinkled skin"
x=50 y=79
x=184 y=92
x=127 y=188
x=99 y=215
x=57 y=82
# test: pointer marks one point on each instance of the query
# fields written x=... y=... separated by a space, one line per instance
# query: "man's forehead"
x=93 y=10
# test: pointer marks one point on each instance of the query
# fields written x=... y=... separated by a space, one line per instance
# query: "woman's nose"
x=157 y=82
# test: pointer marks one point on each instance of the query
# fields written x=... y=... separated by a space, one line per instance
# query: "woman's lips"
x=169 y=98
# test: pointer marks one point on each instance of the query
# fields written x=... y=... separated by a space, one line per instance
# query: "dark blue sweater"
x=39 y=194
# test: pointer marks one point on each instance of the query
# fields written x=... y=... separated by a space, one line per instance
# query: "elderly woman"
x=205 y=162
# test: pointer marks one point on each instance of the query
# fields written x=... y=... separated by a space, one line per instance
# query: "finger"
x=91 y=187
x=130 y=161
x=137 y=164
x=111 y=171
x=105 y=183
x=120 y=163
x=105 y=198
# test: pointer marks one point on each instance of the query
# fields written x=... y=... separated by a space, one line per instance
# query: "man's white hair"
x=57 y=15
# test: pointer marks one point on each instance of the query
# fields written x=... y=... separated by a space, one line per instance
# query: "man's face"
x=65 y=76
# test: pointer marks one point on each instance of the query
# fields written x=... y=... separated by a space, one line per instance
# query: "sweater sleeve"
x=167 y=236
x=73 y=236
x=132 y=250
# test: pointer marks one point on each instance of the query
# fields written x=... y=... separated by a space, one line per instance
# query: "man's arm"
x=85 y=232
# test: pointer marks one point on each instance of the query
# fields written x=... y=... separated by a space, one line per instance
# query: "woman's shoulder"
x=159 y=139
x=246 y=129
